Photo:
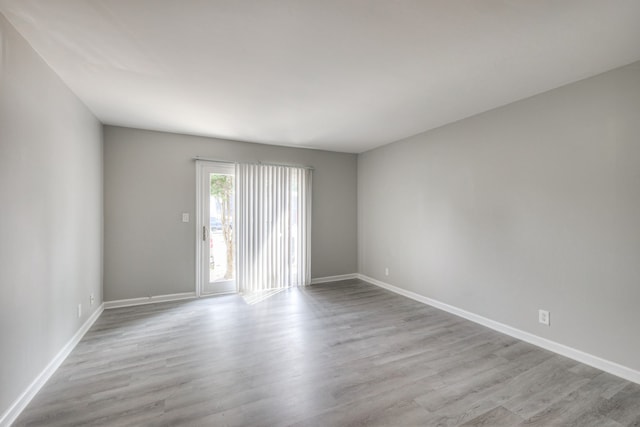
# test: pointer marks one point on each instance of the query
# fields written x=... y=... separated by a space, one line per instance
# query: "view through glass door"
x=217 y=227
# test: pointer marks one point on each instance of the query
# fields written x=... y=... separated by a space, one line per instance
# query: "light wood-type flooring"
x=338 y=354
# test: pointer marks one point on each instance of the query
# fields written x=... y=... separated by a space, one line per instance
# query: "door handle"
x=204 y=233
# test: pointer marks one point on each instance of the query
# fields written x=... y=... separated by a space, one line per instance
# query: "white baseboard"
x=148 y=300
x=572 y=353
x=334 y=278
x=11 y=414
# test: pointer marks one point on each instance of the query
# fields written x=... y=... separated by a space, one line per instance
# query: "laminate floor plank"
x=496 y=417
x=336 y=354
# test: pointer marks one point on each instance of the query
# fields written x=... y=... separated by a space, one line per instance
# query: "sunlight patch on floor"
x=253 y=298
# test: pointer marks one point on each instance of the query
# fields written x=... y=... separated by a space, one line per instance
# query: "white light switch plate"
x=543 y=317
x=185 y=217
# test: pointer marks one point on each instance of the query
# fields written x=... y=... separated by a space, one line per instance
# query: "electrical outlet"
x=79 y=310
x=92 y=299
x=544 y=317
x=386 y=271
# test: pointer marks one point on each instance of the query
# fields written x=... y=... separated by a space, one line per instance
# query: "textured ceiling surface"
x=342 y=75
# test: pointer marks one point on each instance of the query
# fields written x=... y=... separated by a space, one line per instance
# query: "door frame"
x=203 y=168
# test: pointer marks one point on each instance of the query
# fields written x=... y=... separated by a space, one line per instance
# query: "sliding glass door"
x=270 y=237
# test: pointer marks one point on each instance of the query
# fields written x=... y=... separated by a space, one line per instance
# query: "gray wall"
x=150 y=181
x=533 y=205
x=50 y=211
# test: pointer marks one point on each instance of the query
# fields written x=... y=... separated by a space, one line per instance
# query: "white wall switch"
x=92 y=299
x=544 y=317
x=386 y=271
x=79 y=310
x=185 y=217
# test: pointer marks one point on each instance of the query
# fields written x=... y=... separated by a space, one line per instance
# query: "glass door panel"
x=218 y=263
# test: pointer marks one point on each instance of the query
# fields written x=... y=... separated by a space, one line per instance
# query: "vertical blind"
x=273 y=227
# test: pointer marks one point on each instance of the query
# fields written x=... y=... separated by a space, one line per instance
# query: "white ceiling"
x=343 y=75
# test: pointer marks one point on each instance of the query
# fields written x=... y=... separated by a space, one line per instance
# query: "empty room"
x=319 y=213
